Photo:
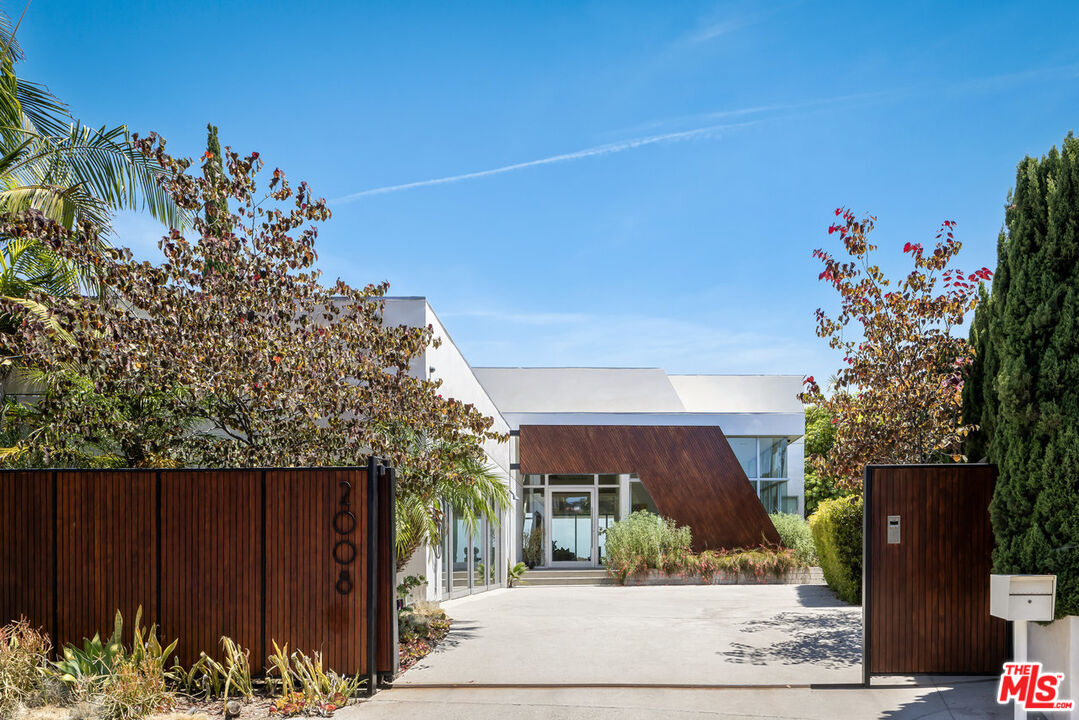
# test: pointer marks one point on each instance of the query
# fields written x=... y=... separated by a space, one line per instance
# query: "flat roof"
x=636 y=390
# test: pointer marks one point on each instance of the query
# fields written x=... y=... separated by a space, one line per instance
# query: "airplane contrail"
x=565 y=157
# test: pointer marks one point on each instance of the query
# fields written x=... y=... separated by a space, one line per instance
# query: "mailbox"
x=1023 y=597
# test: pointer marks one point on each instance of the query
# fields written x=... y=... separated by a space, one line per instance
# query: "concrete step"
x=555 y=576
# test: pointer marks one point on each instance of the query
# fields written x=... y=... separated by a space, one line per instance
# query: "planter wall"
x=1056 y=647
x=801 y=576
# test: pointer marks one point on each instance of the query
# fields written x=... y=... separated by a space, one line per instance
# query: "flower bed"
x=647 y=549
x=793 y=576
x=756 y=565
x=421 y=630
x=110 y=680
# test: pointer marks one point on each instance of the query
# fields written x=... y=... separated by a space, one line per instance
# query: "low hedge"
x=837 y=533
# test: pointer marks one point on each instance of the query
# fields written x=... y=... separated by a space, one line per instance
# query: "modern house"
x=590 y=445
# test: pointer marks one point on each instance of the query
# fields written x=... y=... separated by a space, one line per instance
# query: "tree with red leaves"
x=898 y=397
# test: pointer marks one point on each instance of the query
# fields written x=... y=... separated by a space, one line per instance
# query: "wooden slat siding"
x=26 y=548
x=690 y=471
x=211 y=522
x=107 y=551
x=928 y=603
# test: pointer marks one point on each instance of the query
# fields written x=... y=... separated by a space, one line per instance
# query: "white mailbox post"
x=1021 y=598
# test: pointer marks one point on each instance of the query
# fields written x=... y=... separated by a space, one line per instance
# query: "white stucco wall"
x=739 y=393
x=1056 y=647
x=447 y=365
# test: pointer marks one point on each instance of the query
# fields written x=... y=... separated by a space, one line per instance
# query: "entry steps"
x=545 y=577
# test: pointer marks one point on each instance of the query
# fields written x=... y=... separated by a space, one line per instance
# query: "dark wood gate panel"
x=213 y=520
x=258 y=555
x=106 y=550
x=926 y=597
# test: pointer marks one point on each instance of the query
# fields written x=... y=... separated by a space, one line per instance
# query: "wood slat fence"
x=926 y=588
x=261 y=555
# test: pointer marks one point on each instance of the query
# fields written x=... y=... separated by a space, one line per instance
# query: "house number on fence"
x=344 y=552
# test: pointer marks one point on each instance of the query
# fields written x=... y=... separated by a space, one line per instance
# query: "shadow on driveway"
x=819 y=596
x=830 y=640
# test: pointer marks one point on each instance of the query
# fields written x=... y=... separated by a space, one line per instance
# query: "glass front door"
x=572 y=531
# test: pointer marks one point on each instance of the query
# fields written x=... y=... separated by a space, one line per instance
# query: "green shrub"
x=24 y=677
x=794 y=534
x=837 y=533
x=135 y=688
x=647 y=536
x=818 y=489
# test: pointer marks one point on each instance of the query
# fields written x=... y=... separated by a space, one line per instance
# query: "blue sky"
x=620 y=183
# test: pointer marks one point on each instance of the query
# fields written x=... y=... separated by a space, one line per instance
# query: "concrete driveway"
x=692 y=653
x=763 y=635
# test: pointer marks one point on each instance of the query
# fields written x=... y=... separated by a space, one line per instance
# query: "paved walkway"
x=696 y=634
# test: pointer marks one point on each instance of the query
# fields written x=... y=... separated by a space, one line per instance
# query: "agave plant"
x=85 y=667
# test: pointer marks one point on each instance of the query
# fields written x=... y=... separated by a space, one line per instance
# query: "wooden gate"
x=928 y=557
x=261 y=555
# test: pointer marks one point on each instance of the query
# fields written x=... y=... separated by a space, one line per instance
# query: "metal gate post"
x=374 y=471
x=867 y=539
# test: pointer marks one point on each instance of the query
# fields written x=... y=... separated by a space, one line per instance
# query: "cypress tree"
x=214 y=173
x=1027 y=395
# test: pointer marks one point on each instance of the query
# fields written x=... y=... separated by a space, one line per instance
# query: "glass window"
x=607 y=514
x=459 y=574
x=608 y=479
x=571 y=479
x=447 y=577
x=478 y=548
x=745 y=449
x=532 y=528
x=533 y=480
x=773 y=457
x=493 y=561
x=639 y=499
x=772 y=492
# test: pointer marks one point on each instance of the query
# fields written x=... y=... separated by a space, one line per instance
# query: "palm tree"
x=53 y=163
x=69 y=172
x=468 y=486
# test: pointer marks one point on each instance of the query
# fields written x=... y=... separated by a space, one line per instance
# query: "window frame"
x=756 y=480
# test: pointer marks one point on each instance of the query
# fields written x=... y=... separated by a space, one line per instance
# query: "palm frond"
x=42 y=313
x=101 y=161
x=44 y=111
